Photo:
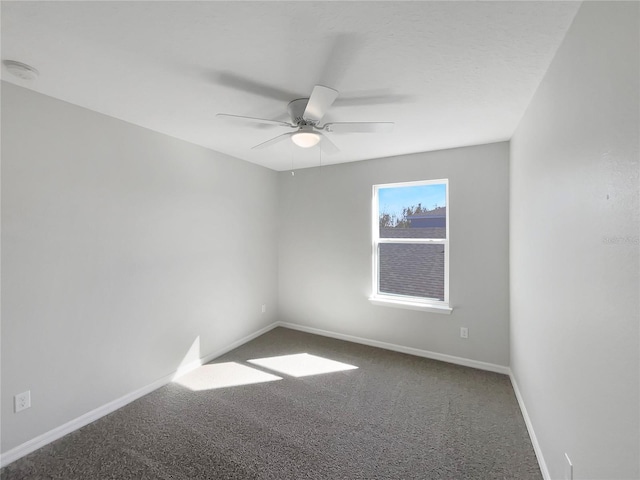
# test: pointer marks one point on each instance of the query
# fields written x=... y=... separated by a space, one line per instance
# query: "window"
x=411 y=245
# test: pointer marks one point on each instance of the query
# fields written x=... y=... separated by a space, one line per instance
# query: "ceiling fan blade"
x=253 y=120
x=249 y=85
x=382 y=98
x=328 y=146
x=273 y=141
x=341 y=53
x=359 y=127
x=319 y=102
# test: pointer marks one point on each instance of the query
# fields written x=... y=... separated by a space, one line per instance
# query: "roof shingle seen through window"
x=415 y=270
x=399 y=232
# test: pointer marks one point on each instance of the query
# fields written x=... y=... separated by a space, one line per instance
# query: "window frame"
x=401 y=301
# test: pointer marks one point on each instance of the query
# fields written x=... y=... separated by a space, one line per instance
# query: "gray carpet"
x=395 y=417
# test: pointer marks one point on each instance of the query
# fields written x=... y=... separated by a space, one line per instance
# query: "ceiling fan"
x=306 y=114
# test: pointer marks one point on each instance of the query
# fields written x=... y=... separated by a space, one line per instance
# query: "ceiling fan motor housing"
x=296 y=110
x=306 y=114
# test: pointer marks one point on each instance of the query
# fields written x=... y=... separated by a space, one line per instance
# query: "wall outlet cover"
x=22 y=401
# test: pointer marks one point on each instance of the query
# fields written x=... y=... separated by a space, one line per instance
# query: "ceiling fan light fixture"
x=306 y=114
x=305 y=139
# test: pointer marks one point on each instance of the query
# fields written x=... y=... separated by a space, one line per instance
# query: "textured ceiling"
x=448 y=74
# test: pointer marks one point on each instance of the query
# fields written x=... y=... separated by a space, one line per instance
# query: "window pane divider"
x=437 y=241
x=391 y=220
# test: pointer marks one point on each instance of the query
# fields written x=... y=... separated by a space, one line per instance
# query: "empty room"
x=320 y=240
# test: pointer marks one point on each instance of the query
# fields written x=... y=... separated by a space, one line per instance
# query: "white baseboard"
x=467 y=362
x=445 y=358
x=79 y=422
x=532 y=433
x=206 y=359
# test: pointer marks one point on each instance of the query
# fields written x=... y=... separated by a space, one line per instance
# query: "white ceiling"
x=448 y=74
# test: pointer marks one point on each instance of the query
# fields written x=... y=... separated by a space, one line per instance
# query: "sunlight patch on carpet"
x=222 y=375
x=302 y=364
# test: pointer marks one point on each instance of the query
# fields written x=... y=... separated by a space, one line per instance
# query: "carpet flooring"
x=395 y=416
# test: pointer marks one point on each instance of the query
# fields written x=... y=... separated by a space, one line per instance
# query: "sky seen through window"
x=393 y=200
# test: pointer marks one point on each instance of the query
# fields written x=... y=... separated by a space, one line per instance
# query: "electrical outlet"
x=568 y=468
x=22 y=401
x=264 y=308
x=464 y=332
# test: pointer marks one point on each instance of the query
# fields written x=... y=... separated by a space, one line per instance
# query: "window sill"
x=425 y=307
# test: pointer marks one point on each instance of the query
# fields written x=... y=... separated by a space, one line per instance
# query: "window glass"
x=415 y=211
x=412 y=270
x=410 y=241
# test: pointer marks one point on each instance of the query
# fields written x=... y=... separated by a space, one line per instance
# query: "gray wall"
x=121 y=247
x=574 y=249
x=325 y=252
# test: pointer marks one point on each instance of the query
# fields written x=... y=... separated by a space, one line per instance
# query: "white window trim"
x=399 y=301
